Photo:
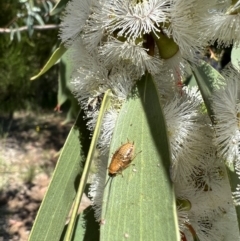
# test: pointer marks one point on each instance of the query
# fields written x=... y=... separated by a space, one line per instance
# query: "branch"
x=38 y=27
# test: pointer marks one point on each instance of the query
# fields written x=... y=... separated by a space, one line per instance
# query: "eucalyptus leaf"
x=60 y=5
x=39 y=18
x=64 y=91
x=12 y=34
x=141 y=204
x=190 y=81
x=18 y=35
x=87 y=228
x=52 y=60
x=58 y=200
x=208 y=80
x=104 y=106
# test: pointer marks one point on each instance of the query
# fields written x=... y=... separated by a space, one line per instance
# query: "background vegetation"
x=24 y=53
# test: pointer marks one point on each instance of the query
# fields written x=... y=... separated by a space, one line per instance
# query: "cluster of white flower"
x=112 y=43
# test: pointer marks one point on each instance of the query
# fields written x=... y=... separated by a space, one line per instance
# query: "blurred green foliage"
x=19 y=60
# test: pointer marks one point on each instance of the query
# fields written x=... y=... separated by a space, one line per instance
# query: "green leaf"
x=58 y=200
x=141 y=204
x=52 y=60
x=92 y=149
x=235 y=57
x=190 y=81
x=208 y=80
x=64 y=89
x=87 y=228
x=60 y=5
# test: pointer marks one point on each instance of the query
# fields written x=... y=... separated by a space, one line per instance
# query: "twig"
x=38 y=27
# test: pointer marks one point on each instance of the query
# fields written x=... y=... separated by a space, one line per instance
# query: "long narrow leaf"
x=60 y=5
x=52 y=60
x=141 y=204
x=208 y=80
x=87 y=228
x=82 y=184
x=58 y=200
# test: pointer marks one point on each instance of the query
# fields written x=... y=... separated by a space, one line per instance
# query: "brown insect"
x=121 y=159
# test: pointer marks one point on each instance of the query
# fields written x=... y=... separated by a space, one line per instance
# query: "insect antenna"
x=109 y=190
x=107 y=182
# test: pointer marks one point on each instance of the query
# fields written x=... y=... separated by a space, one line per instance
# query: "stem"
x=38 y=27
